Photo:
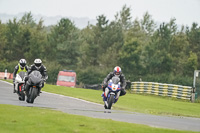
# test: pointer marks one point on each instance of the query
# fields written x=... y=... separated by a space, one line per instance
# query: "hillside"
x=79 y=22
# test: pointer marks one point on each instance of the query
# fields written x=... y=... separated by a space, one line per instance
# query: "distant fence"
x=8 y=76
x=177 y=91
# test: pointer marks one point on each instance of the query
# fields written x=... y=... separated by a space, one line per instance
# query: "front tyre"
x=110 y=101
x=32 y=95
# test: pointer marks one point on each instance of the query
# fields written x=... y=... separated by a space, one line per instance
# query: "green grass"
x=158 y=105
x=16 y=119
x=8 y=80
x=134 y=102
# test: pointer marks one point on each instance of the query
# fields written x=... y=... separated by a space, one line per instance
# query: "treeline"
x=143 y=49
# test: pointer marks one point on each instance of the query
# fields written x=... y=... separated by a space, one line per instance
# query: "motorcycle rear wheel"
x=22 y=96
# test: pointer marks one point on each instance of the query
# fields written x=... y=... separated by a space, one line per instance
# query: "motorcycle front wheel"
x=110 y=101
x=32 y=95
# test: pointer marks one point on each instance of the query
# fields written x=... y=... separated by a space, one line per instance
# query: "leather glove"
x=44 y=80
x=105 y=85
x=123 y=88
x=25 y=78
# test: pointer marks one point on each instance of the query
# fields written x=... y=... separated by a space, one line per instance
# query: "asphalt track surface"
x=81 y=107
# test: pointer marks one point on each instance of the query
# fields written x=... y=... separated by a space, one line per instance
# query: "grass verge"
x=16 y=119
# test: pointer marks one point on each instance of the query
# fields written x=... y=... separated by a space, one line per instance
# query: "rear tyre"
x=110 y=101
x=22 y=96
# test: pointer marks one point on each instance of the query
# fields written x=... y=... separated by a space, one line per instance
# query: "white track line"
x=6 y=82
x=61 y=95
x=71 y=98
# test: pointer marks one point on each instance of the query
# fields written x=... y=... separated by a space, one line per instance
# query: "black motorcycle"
x=35 y=82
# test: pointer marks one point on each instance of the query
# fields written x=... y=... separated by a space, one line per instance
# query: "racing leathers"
x=18 y=69
x=122 y=80
x=43 y=71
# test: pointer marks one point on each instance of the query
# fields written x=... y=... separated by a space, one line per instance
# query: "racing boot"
x=123 y=92
x=105 y=94
x=14 y=91
x=26 y=88
x=39 y=91
x=117 y=97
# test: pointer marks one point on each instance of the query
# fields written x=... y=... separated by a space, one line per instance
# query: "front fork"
x=16 y=86
x=106 y=92
x=117 y=96
x=105 y=95
x=19 y=87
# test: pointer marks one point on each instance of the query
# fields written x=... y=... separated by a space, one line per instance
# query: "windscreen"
x=66 y=78
x=36 y=74
x=115 y=80
x=22 y=74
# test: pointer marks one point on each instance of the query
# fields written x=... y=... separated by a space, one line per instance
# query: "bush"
x=91 y=75
x=166 y=78
x=52 y=70
x=7 y=65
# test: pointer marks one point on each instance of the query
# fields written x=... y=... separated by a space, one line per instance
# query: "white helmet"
x=22 y=63
x=38 y=63
x=117 y=70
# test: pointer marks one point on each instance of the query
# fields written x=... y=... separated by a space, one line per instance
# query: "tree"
x=95 y=41
x=147 y=24
x=191 y=64
x=158 y=55
x=2 y=40
x=27 y=20
x=12 y=36
x=179 y=51
x=124 y=17
x=32 y=38
x=113 y=43
x=130 y=57
x=64 y=40
x=193 y=35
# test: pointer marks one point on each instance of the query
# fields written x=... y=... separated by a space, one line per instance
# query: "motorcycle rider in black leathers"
x=42 y=69
x=18 y=68
x=117 y=72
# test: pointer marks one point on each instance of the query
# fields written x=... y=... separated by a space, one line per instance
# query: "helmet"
x=117 y=70
x=22 y=63
x=37 y=63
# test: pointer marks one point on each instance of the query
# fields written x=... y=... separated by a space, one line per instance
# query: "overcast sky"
x=185 y=11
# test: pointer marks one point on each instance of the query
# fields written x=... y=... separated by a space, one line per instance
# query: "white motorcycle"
x=19 y=85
